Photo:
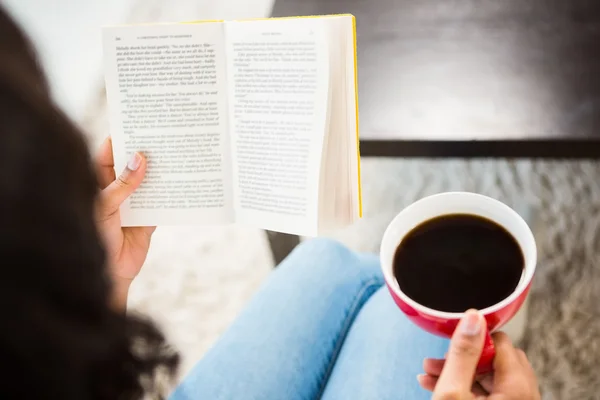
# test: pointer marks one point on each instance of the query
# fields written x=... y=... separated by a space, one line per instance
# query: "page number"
x=117 y=39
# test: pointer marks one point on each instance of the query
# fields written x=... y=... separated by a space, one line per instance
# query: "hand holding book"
x=126 y=247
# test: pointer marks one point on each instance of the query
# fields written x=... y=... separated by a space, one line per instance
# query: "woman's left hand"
x=126 y=247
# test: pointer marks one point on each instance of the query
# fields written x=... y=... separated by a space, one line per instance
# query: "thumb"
x=125 y=184
x=465 y=350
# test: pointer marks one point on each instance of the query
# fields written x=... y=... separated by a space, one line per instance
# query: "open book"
x=253 y=122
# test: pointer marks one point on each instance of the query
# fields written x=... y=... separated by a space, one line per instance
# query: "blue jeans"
x=323 y=326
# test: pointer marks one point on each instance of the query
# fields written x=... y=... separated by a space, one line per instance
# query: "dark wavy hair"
x=59 y=338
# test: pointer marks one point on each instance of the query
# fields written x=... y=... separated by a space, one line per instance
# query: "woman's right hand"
x=452 y=378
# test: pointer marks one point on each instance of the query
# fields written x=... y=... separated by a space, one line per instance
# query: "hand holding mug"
x=453 y=378
x=462 y=266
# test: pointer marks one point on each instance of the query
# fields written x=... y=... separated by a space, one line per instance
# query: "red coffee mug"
x=443 y=323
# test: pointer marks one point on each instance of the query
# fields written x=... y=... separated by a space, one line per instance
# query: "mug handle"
x=486 y=361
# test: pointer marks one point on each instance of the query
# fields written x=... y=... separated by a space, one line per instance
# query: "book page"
x=278 y=95
x=167 y=97
x=340 y=176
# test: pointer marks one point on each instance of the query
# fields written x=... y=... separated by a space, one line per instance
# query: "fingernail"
x=134 y=162
x=420 y=377
x=471 y=323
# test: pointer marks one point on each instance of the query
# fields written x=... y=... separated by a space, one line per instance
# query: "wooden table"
x=472 y=78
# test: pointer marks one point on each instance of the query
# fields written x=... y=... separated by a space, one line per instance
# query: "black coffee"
x=458 y=261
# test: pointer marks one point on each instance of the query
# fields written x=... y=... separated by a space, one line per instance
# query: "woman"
x=321 y=327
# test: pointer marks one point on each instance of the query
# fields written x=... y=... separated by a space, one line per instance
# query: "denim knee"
x=329 y=258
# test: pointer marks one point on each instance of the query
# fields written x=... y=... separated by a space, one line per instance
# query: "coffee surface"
x=458 y=261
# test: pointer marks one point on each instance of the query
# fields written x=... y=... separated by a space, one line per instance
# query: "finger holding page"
x=105 y=165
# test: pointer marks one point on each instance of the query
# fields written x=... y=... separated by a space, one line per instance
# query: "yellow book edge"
x=360 y=208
